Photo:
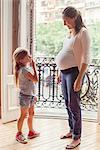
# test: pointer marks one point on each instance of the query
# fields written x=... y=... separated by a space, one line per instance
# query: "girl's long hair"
x=71 y=12
x=18 y=55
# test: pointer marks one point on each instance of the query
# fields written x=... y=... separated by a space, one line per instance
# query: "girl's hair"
x=18 y=55
x=71 y=12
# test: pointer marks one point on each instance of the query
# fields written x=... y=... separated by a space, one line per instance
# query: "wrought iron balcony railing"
x=49 y=92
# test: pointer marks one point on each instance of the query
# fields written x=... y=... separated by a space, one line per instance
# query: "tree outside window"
x=50 y=31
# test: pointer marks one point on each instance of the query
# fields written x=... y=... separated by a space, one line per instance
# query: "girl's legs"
x=24 y=111
x=19 y=136
x=32 y=132
x=30 y=118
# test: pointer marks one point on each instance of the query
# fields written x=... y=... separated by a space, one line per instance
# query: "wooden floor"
x=50 y=131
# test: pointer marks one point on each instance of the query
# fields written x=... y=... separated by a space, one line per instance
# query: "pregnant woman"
x=72 y=62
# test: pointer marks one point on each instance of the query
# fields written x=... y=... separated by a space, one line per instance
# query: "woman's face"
x=69 y=22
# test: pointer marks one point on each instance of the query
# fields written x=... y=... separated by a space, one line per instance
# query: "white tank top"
x=65 y=58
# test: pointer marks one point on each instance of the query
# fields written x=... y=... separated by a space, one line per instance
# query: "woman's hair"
x=71 y=12
x=18 y=55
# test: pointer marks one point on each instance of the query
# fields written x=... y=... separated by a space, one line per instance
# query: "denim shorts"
x=26 y=100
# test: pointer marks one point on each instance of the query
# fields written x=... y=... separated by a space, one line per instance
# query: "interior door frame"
x=9 y=112
x=8 y=89
x=0 y=59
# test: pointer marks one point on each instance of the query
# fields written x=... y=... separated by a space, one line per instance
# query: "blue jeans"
x=72 y=100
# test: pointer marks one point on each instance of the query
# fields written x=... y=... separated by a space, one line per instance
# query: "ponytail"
x=78 y=22
x=17 y=67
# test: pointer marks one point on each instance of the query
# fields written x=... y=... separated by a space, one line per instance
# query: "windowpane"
x=50 y=31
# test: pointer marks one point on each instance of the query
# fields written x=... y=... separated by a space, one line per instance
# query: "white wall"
x=23 y=27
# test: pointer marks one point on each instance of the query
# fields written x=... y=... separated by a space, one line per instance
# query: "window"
x=43 y=3
x=50 y=31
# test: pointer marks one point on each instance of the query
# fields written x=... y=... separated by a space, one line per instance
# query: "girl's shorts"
x=26 y=100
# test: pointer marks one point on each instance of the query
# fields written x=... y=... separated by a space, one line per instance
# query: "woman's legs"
x=72 y=101
x=76 y=111
x=65 y=94
x=74 y=104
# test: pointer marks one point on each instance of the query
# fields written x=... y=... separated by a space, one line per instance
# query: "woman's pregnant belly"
x=65 y=60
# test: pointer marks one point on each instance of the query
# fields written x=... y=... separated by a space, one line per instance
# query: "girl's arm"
x=34 y=69
x=30 y=76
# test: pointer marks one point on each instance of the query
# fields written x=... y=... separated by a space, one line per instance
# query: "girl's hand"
x=32 y=63
x=77 y=85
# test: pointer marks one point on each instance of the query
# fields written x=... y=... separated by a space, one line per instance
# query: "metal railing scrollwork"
x=49 y=92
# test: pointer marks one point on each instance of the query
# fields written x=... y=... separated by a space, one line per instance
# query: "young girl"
x=26 y=77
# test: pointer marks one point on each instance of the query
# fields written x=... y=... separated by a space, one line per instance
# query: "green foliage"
x=49 y=38
x=95 y=40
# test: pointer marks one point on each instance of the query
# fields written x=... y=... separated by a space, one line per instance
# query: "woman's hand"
x=78 y=81
x=35 y=99
x=58 y=79
x=77 y=84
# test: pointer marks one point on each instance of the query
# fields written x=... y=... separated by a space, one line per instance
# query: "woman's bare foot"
x=73 y=144
x=68 y=135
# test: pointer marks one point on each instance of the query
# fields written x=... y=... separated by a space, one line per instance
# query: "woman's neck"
x=72 y=32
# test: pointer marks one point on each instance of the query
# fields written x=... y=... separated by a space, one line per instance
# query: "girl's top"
x=75 y=51
x=26 y=86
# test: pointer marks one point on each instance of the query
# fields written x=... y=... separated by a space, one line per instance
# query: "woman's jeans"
x=72 y=100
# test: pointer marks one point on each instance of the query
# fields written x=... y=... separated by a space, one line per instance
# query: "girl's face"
x=27 y=59
x=69 y=22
